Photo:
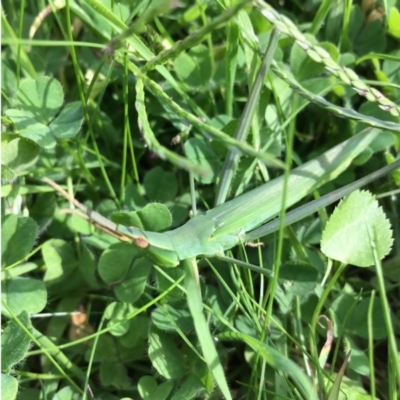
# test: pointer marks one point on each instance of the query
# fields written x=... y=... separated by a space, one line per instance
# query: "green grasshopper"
x=243 y=218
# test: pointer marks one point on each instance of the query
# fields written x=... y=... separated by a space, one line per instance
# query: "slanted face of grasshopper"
x=228 y=224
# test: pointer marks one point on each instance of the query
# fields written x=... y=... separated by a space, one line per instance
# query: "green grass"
x=115 y=103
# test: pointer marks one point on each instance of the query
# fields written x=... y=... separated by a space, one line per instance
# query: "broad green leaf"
x=190 y=388
x=355 y=317
x=87 y=267
x=79 y=225
x=356 y=223
x=194 y=68
x=41 y=98
x=137 y=332
x=200 y=153
x=118 y=313
x=29 y=128
x=394 y=22
x=367 y=37
x=18 y=153
x=7 y=174
x=116 y=261
x=69 y=122
x=9 y=82
x=391 y=69
x=359 y=361
x=43 y=209
x=299 y=279
x=134 y=283
x=23 y=294
x=153 y=217
x=18 y=235
x=150 y=390
x=60 y=261
x=165 y=355
x=133 y=197
x=168 y=318
x=160 y=185
x=9 y=387
x=15 y=342
x=114 y=373
x=163 y=283
x=106 y=349
x=67 y=393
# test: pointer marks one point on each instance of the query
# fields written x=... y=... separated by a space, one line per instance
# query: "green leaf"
x=160 y=185
x=394 y=22
x=359 y=361
x=355 y=224
x=15 y=342
x=366 y=37
x=168 y=318
x=68 y=122
x=41 y=98
x=201 y=153
x=60 y=261
x=29 y=128
x=299 y=279
x=9 y=81
x=356 y=318
x=154 y=217
x=7 y=174
x=87 y=267
x=190 y=388
x=137 y=333
x=134 y=282
x=194 y=68
x=18 y=153
x=118 y=313
x=116 y=261
x=9 y=387
x=67 y=393
x=106 y=349
x=163 y=283
x=23 y=294
x=114 y=373
x=133 y=197
x=150 y=390
x=18 y=235
x=165 y=355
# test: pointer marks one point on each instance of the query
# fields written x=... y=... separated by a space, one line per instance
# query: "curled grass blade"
x=151 y=139
x=206 y=129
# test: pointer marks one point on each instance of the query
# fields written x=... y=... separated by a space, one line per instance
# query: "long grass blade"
x=315 y=205
x=232 y=158
x=195 y=304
